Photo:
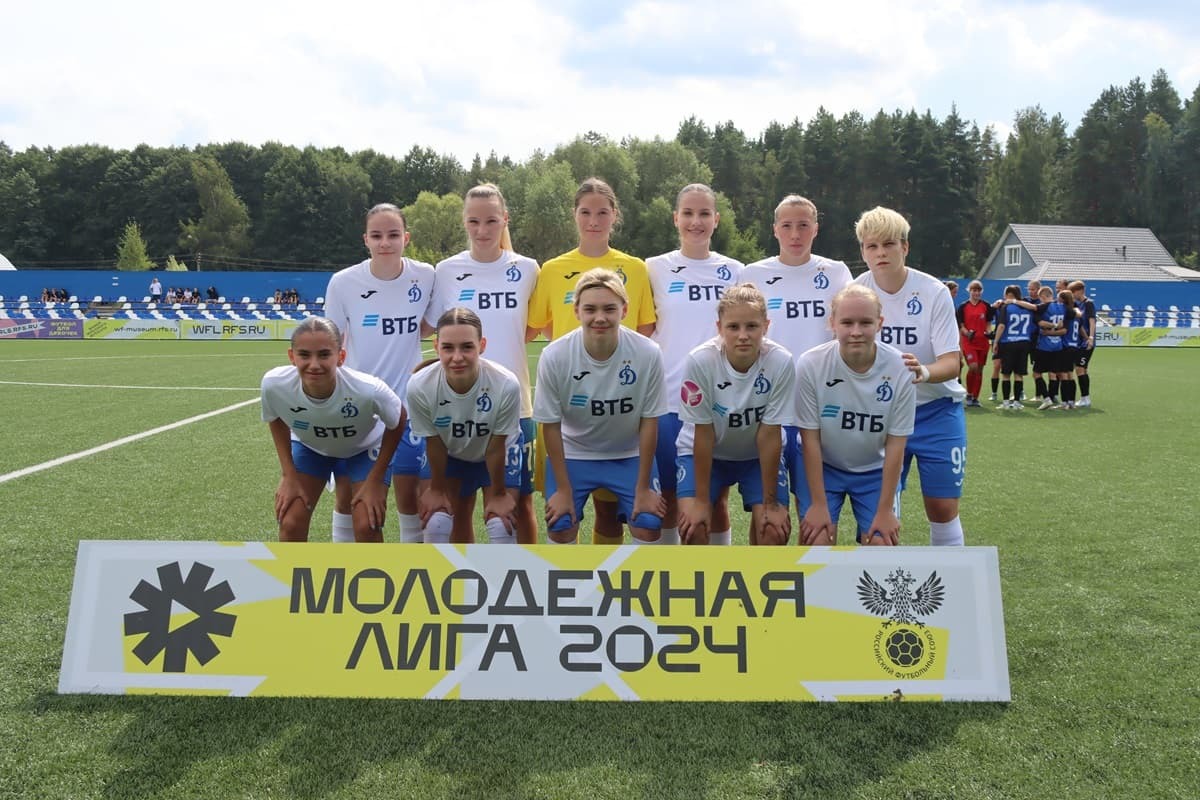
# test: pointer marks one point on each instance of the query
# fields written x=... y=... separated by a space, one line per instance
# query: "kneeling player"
x=855 y=406
x=738 y=390
x=326 y=418
x=599 y=396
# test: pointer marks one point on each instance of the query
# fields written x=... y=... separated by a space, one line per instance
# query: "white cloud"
x=466 y=77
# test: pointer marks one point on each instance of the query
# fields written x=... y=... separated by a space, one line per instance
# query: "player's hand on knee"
x=560 y=504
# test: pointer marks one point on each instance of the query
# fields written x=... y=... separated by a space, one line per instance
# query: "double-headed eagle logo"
x=901 y=605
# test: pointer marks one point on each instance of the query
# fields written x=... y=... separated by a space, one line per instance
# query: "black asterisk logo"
x=195 y=637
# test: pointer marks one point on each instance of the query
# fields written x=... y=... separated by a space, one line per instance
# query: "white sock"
x=410 y=529
x=497 y=534
x=437 y=530
x=724 y=537
x=669 y=536
x=343 y=527
x=946 y=534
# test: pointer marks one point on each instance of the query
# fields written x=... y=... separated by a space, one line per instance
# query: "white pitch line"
x=21 y=473
x=112 y=358
x=114 y=386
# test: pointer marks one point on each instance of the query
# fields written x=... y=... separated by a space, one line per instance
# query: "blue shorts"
x=528 y=440
x=517 y=474
x=474 y=474
x=618 y=475
x=863 y=489
x=747 y=475
x=793 y=458
x=310 y=462
x=664 y=454
x=939 y=443
x=409 y=458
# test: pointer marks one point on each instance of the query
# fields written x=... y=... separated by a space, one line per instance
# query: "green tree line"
x=1133 y=160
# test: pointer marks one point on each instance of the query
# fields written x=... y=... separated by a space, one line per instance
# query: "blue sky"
x=519 y=75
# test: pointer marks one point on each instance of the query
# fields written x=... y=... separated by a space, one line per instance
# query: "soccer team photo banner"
x=543 y=622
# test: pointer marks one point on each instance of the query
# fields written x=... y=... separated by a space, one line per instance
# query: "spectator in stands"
x=171 y=297
x=1087 y=346
x=187 y=296
x=278 y=296
x=156 y=292
x=47 y=295
x=213 y=294
x=63 y=296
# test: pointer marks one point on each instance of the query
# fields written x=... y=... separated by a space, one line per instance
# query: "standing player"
x=974 y=318
x=855 y=406
x=551 y=310
x=379 y=305
x=326 y=418
x=1083 y=359
x=919 y=321
x=686 y=284
x=1048 y=354
x=1014 y=340
x=1072 y=344
x=599 y=396
x=738 y=391
x=468 y=409
x=496 y=283
x=799 y=286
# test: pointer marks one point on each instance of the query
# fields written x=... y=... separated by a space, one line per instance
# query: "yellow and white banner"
x=261 y=329
x=542 y=622
x=130 y=329
x=1147 y=337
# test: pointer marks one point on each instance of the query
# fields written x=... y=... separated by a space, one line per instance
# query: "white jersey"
x=686 y=291
x=855 y=412
x=600 y=403
x=919 y=319
x=499 y=293
x=465 y=422
x=381 y=320
x=735 y=403
x=348 y=422
x=799 y=299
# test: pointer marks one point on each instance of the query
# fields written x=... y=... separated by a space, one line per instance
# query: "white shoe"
x=993 y=397
x=1084 y=402
x=1047 y=403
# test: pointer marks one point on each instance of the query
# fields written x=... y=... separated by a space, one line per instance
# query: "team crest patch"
x=512 y=274
x=914 y=305
x=414 y=293
x=627 y=376
x=762 y=384
x=483 y=402
x=821 y=280
x=884 y=391
x=349 y=410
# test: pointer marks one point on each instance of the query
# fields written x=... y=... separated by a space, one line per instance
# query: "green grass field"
x=1093 y=512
